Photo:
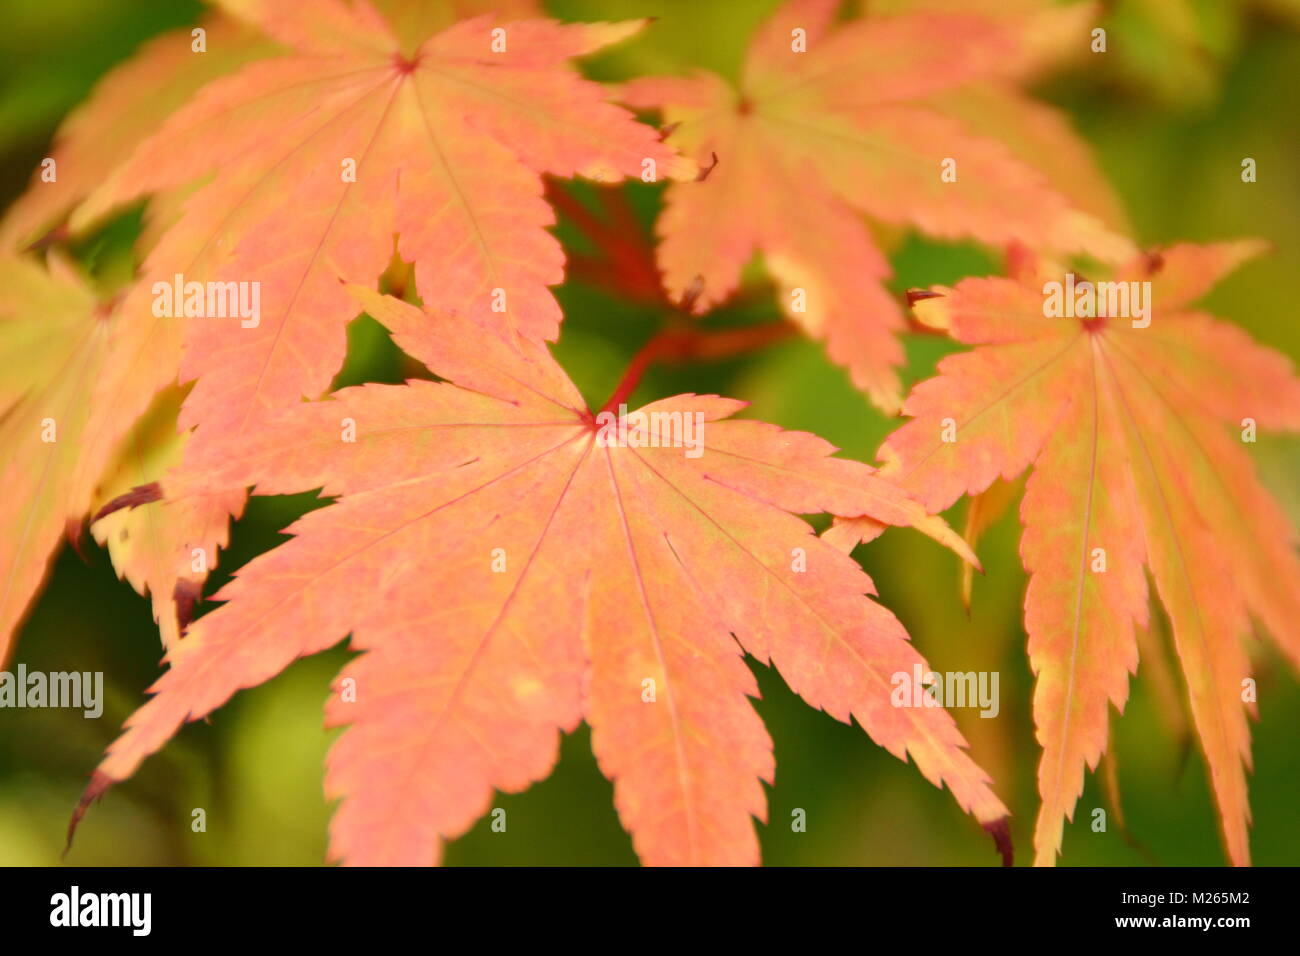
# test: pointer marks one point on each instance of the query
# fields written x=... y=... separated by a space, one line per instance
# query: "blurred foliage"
x=1194 y=86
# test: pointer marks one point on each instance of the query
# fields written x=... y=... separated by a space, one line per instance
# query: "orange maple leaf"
x=1122 y=420
x=511 y=566
x=833 y=122
x=132 y=101
x=300 y=169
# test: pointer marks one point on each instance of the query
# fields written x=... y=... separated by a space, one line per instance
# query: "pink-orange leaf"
x=1137 y=436
x=508 y=573
x=831 y=123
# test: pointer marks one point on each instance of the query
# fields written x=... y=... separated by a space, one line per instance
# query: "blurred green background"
x=1171 y=115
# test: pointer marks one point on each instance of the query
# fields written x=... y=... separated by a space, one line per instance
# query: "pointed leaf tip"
x=186 y=594
x=691 y=295
x=916 y=295
x=139 y=495
x=59 y=234
x=1000 y=830
x=72 y=531
x=704 y=172
x=98 y=786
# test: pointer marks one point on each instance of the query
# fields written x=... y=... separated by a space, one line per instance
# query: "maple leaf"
x=131 y=102
x=1123 y=425
x=508 y=573
x=448 y=143
x=53 y=343
x=830 y=123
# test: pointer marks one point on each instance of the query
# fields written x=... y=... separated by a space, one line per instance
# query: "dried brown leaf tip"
x=692 y=294
x=98 y=786
x=706 y=170
x=918 y=295
x=72 y=531
x=139 y=495
x=1000 y=830
x=59 y=234
x=186 y=594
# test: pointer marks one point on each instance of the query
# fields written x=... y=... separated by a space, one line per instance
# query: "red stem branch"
x=685 y=343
